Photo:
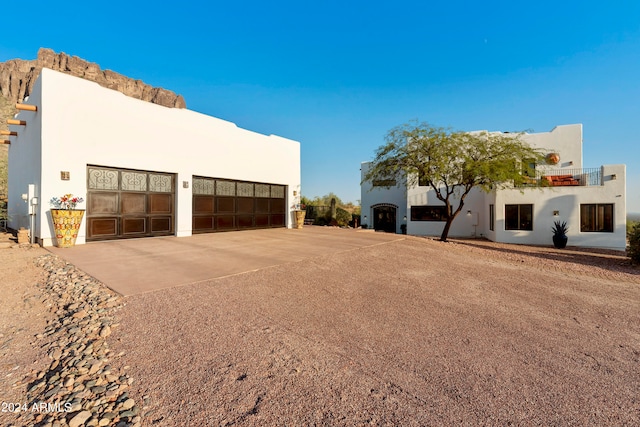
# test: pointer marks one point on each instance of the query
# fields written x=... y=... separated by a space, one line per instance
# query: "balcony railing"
x=564 y=178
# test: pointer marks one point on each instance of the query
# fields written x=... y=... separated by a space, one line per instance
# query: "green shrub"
x=633 y=250
x=342 y=217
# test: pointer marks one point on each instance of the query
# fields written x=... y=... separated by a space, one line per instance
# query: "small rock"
x=128 y=404
x=79 y=419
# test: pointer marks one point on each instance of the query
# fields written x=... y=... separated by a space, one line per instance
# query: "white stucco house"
x=143 y=169
x=591 y=200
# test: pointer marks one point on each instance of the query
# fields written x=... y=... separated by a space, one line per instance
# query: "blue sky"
x=337 y=75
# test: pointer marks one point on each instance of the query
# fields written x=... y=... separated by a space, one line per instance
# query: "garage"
x=226 y=205
x=125 y=203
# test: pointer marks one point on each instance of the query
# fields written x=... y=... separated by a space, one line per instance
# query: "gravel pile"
x=80 y=387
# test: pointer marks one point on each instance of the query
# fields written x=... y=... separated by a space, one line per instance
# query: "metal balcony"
x=564 y=178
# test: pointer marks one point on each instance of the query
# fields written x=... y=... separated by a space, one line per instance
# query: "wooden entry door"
x=123 y=203
x=384 y=219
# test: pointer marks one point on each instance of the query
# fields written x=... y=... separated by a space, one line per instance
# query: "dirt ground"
x=22 y=317
x=414 y=332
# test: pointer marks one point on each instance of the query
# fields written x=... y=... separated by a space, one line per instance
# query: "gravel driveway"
x=411 y=332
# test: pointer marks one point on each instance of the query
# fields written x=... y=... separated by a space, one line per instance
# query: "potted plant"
x=300 y=210
x=560 y=234
x=66 y=219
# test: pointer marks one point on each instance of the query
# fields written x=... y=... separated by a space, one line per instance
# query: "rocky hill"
x=17 y=77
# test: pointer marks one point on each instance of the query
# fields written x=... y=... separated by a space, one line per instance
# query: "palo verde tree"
x=452 y=163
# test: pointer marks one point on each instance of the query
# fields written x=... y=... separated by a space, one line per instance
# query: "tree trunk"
x=447 y=226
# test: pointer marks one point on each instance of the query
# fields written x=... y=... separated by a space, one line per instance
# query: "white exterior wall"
x=567 y=201
x=465 y=225
x=371 y=196
x=86 y=124
x=565 y=140
x=25 y=158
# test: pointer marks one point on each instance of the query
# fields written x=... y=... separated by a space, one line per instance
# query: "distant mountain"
x=633 y=217
x=17 y=77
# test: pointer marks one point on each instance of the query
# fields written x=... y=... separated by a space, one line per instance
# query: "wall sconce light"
x=469 y=213
x=185 y=184
x=556 y=213
x=614 y=176
x=365 y=217
x=295 y=193
x=65 y=176
x=571 y=163
x=403 y=218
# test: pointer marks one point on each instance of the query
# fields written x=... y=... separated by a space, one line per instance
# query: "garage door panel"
x=161 y=224
x=203 y=223
x=245 y=205
x=103 y=203
x=225 y=222
x=225 y=204
x=245 y=221
x=102 y=227
x=262 y=221
x=277 y=206
x=160 y=203
x=277 y=220
x=262 y=205
x=135 y=225
x=133 y=203
x=203 y=204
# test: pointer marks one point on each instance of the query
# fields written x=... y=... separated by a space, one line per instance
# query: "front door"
x=384 y=219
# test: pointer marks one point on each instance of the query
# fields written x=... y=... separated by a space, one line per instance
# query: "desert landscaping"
x=406 y=332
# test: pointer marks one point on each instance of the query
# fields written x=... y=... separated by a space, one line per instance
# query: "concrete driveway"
x=144 y=265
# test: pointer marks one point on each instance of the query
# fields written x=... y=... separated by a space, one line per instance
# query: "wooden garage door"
x=124 y=203
x=225 y=205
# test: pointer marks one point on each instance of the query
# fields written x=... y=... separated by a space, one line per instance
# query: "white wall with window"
x=426 y=213
x=592 y=201
x=595 y=214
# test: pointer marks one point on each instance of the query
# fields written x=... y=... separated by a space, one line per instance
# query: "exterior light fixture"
x=614 y=176
x=65 y=175
x=556 y=213
x=468 y=213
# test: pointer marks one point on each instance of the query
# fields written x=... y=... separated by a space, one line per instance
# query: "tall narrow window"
x=492 y=217
x=518 y=217
x=596 y=218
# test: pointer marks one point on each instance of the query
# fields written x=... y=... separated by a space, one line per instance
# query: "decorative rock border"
x=79 y=387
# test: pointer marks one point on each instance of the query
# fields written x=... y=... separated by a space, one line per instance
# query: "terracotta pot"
x=553 y=158
x=300 y=218
x=66 y=223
